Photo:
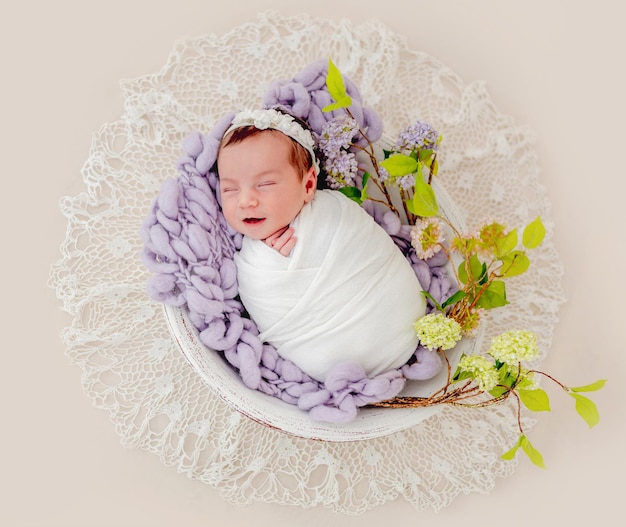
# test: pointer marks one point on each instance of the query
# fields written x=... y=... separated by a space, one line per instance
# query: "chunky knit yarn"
x=189 y=248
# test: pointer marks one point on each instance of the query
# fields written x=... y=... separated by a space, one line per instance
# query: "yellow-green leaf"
x=536 y=400
x=424 y=201
x=514 y=264
x=510 y=454
x=590 y=387
x=399 y=165
x=533 y=454
x=334 y=82
x=344 y=102
x=507 y=243
x=587 y=409
x=533 y=234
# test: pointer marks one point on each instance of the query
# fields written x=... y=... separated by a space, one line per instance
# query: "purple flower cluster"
x=418 y=135
x=406 y=182
x=335 y=140
x=341 y=170
x=383 y=175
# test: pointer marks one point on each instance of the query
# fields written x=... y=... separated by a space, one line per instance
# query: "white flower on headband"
x=264 y=119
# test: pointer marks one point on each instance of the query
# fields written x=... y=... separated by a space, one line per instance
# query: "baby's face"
x=261 y=191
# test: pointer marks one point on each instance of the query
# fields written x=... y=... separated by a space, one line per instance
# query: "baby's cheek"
x=228 y=216
x=226 y=210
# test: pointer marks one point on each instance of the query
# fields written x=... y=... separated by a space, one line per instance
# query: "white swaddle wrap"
x=346 y=292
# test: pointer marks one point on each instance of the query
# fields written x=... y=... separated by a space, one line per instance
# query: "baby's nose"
x=248 y=199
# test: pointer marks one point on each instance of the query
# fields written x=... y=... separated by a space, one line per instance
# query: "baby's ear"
x=310 y=184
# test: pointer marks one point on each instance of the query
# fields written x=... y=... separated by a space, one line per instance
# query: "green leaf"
x=510 y=454
x=531 y=452
x=587 y=409
x=590 y=387
x=514 y=263
x=430 y=297
x=424 y=201
x=533 y=234
x=461 y=375
x=497 y=391
x=353 y=193
x=507 y=243
x=536 y=400
x=336 y=86
x=494 y=296
x=366 y=177
x=453 y=299
x=483 y=276
x=399 y=165
x=477 y=269
x=505 y=383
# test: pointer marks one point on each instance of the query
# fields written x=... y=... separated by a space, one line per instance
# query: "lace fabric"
x=130 y=364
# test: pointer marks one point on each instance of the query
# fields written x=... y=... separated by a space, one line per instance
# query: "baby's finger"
x=285 y=242
x=286 y=247
x=271 y=240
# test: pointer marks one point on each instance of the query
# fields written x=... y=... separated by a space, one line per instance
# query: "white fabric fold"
x=345 y=294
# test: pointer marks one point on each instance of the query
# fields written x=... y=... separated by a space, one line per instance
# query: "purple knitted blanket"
x=189 y=248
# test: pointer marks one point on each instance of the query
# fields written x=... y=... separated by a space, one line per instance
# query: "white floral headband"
x=270 y=118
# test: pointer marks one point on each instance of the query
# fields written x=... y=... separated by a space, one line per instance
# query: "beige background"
x=557 y=66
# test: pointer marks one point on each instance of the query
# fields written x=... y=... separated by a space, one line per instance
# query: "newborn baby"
x=320 y=278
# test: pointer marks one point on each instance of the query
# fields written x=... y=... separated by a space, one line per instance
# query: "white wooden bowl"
x=370 y=423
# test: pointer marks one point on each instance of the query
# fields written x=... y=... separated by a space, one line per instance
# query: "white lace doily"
x=119 y=337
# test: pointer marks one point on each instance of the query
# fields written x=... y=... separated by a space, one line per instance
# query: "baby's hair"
x=298 y=155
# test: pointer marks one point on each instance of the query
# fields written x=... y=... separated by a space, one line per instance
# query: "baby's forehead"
x=269 y=139
x=254 y=155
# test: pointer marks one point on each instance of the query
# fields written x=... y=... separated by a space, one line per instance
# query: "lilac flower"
x=418 y=135
x=335 y=140
x=341 y=170
x=337 y=134
x=406 y=182
x=383 y=175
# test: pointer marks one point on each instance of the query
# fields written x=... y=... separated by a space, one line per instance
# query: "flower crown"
x=270 y=118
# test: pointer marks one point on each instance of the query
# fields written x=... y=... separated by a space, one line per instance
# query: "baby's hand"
x=282 y=241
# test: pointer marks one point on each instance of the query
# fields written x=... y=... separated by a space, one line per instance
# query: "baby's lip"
x=253 y=221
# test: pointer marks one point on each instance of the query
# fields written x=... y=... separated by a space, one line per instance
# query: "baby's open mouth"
x=253 y=221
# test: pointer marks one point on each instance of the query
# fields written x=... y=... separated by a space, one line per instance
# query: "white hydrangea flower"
x=482 y=370
x=514 y=346
x=436 y=331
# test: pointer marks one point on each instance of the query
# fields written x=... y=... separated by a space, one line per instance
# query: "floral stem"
x=409 y=216
x=430 y=171
x=551 y=378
